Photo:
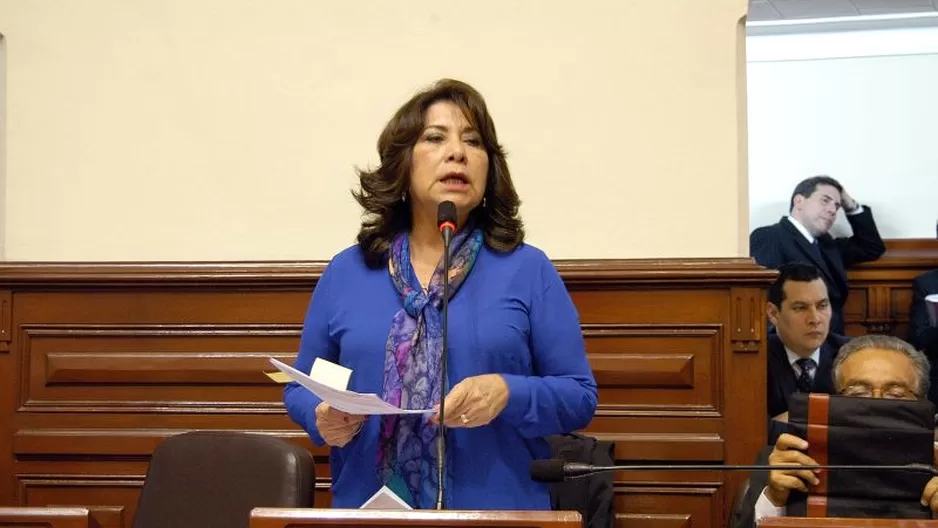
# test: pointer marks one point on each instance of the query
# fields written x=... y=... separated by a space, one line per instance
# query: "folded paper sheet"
x=344 y=400
x=385 y=499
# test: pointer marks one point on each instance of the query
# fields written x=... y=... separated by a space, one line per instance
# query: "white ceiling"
x=771 y=10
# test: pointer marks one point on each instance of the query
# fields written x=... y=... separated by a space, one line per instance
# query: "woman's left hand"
x=475 y=401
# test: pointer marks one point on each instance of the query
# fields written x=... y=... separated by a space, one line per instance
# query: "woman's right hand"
x=336 y=427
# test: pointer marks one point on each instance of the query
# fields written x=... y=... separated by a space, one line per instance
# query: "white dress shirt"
x=793 y=358
x=801 y=229
x=765 y=509
x=804 y=231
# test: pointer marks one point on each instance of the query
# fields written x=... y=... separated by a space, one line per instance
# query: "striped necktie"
x=806 y=378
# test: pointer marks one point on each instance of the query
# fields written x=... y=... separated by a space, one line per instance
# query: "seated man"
x=869 y=366
x=923 y=334
x=801 y=352
x=803 y=236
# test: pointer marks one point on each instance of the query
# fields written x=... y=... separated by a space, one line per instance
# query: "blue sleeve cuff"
x=519 y=398
x=300 y=401
x=312 y=430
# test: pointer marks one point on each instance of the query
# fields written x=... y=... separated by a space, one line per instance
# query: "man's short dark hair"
x=807 y=187
x=793 y=271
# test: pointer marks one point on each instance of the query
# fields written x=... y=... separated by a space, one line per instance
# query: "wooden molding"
x=653 y=520
x=86 y=442
x=904 y=254
x=574 y=272
x=748 y=311
x=6 y=320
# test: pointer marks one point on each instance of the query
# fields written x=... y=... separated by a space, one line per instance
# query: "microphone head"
x=547 y=470
x=446 y=215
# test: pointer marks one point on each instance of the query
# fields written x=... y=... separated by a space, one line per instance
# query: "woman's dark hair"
x=381 y=193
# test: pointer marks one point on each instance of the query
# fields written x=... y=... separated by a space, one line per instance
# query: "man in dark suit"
x=802 y=351
x=803 y=236
x=923 y=334
x=870 y=366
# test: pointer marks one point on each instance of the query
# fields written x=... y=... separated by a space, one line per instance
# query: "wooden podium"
x=327 y=517
x=46 y=517
x=840 y=522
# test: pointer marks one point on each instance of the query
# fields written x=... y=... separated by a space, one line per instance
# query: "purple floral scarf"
x=407 y=451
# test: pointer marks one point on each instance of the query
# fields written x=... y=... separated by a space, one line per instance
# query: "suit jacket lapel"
x=832 y=256
x=784 y=375
x=824 y=378
x=809 y=250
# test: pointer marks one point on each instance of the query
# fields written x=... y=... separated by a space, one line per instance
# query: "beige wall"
x=228 y=129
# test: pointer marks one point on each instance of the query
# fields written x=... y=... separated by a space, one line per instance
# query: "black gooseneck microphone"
x=556 y=470
x=446 y=223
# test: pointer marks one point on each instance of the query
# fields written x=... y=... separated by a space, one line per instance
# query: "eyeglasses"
x=891 y=392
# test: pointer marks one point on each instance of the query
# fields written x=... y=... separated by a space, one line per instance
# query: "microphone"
x=446 y=222
x=556 y=470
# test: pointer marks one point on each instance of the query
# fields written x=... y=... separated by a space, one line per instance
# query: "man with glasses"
x=872 y=366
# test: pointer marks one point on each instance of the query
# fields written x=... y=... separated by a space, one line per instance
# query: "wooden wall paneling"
x=652 y=520
x=8 y=384
x=655 y=505
x=111 y=369
x=6 y=319
x=113 y=358
x=679 y=357
x=744 y=386
x=881 y=291
x=111 y=499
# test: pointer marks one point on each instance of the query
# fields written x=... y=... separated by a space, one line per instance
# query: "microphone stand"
x=441 y=431
x=577 y=470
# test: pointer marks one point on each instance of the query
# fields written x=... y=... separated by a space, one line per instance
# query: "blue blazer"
x=782 y=243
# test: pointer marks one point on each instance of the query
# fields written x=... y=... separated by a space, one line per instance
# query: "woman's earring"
x=483 y=202
x=404 y=197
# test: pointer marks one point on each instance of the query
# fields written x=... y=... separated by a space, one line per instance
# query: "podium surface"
x=843 y=522
x=19 y=517
x=328 y=517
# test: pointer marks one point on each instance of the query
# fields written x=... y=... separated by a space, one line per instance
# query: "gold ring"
x=465 y=421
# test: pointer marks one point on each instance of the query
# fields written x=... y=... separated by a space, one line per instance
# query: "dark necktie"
x=806 y=379
x=817 y=249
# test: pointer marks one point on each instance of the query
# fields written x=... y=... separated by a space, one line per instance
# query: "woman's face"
x=449 y=162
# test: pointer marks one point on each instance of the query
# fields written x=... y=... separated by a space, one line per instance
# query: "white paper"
x=331 y=374
x=931 y=305
x=344 y=400
x=385 y=499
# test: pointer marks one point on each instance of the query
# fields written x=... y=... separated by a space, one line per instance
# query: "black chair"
x=213 y=479
x=593 y=496
x=739 y=502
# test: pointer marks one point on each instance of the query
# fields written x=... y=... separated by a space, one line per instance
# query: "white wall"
x=229 y=129
x=861 y=106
